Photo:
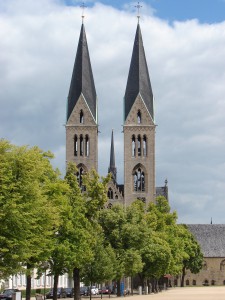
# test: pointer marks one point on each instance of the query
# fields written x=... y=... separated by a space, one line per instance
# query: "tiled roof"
x=82 y=78
x=138 y=79
x=211 y=238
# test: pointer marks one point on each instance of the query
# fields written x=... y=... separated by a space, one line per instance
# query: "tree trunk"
x=182 y=277
x=76 y=283
x=118 y=288
x=132 y=285
x=55 y=286
x=28 y=287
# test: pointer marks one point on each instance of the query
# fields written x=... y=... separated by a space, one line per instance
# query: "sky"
x=184 y=43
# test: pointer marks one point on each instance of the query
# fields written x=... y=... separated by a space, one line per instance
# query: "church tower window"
x=139 y=180
x=79 y=176
x=87 y=146
x=139 y=145
x=81 y=145
x=144 y=145
x=133 y=146
x=75 y=145
x=139 y=117
x=81 y=117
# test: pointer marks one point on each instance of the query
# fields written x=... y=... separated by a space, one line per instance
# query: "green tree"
x=29 y=208
x=193 y=259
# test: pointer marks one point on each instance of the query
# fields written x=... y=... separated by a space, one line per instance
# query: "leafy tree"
x=29 y=208
x=193 y=260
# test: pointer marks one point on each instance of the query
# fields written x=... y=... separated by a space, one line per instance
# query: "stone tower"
x=81 y=125
x=139 y=129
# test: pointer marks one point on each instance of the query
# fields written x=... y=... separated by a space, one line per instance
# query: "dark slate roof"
x=211 y=238
x=162 y=191
x=138 y=78
x=112 y=164
x=82 y=78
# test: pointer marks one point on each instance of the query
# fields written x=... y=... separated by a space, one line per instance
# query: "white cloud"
x=38 y=41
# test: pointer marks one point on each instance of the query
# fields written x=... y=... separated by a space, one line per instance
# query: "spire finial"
x=83 y=6
x=138 y=6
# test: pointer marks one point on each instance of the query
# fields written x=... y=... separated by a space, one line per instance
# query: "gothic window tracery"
x=110 y=193
x=139 y=180
x=79 y=176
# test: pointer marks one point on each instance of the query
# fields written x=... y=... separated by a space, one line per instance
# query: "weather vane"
x=83 y=6
x=138 y=6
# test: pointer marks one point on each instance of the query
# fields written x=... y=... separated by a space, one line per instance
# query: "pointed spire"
x=82 y=81
x=112 y=164
x=138 y=79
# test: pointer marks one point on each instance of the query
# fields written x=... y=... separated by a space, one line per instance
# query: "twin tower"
x=138 y=127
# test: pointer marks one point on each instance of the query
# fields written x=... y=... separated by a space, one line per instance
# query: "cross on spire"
x=138 y=6
x=83 y=6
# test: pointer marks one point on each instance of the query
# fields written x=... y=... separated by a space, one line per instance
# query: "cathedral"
x=138 y=127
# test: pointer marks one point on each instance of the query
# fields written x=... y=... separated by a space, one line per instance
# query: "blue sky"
x=184 y=45
x=206 y=11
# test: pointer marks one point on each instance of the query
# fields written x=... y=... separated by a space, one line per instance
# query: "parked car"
x=94 y=290
x=7 y=294
x=84 y=291
x=61 y=293
x=69 y=292
x=104 y=290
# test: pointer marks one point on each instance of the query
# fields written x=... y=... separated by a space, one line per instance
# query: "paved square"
x=186 y=293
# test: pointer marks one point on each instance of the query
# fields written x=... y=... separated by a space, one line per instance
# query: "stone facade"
x=81 y=125
x=139 y=154
x=212 y=273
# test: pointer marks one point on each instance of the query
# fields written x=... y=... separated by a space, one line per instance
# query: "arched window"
x=213 y=282
x=81 y=145
x=187 y=282
x=144 y=145
x=194 y=282
x=206 y=282
x=75 y=145
x=81 y=117
x=110 y=193
x=204 y=265
x=80 y=173
x=139 y=180
x=133 y=146
x=139 y=117
x=222 y=265
x=139 y=145
x=87 y=145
